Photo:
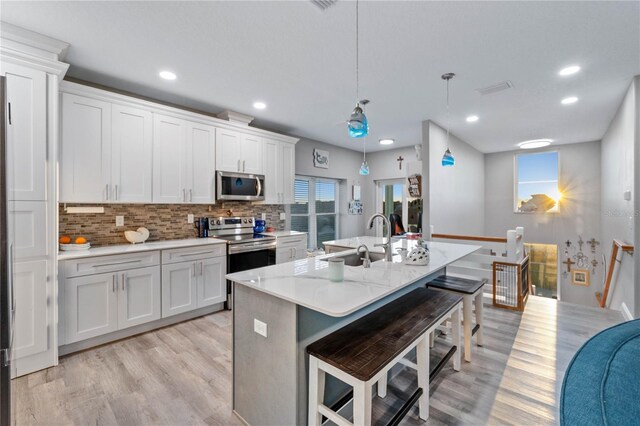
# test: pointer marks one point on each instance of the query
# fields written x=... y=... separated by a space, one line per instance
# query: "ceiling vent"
x=494 y=88
x=324 y=4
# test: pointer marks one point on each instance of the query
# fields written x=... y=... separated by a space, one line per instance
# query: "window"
x=537 y=183
x=392 y=197
x=315 y=209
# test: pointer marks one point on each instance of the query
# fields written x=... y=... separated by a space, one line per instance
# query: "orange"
x=64 y=239
x=81 y=240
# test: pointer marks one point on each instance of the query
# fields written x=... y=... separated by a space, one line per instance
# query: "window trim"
x=516 y=182
x=312 y=237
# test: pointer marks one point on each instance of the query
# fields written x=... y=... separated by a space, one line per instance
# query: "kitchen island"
x=279 y=310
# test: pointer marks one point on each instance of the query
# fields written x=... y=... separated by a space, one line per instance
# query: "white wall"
x=455 y=194
x=344 y=164
x=618 y=175
x=579 y=210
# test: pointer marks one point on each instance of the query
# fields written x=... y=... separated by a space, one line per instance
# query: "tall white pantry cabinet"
x=32 y=69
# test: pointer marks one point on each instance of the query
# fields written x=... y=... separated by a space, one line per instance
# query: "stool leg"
x=362 y=404
x=382 y=386
x=422 y=355
x=480 y=319
x=455 y=326
x=432 y=339
x=316 y=391
x=467 y=306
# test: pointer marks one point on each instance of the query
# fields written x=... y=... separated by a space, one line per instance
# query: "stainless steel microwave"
x=239 y=186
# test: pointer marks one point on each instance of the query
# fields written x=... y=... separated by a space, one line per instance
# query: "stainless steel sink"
x=355 y=259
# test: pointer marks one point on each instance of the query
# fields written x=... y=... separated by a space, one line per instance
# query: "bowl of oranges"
x=69 y=244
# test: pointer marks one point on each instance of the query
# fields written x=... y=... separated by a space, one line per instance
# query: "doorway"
x=543 y=264
x=392 y=198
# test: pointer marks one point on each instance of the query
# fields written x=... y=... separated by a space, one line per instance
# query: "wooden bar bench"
x=471 y=290
x=362 y=353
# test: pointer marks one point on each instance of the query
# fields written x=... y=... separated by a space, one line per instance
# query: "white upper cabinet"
x=131 y=155
x=85 y=159
x=238 y=152
x=201 y=163
x=169 y=151
x=279 y=170
x=251 y=154
x=26 y=132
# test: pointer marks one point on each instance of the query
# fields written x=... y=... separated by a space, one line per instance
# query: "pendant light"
x=364 y=167
x=447 y=158
x=358 y=125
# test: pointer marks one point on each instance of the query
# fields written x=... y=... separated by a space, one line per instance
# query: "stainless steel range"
x=245 y=250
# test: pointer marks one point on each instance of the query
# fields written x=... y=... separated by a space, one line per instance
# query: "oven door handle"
x=234 y=250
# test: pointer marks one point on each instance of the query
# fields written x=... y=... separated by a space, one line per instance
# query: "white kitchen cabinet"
x=29 y=228
x=31 y=303
x=201 y=163
x=26 y=97
x=131 y=155
x=85 y=159
x=238 y=152
x=169 y=165
x=290 y=248
x=211 y=283
x=138 y=296
x=178 y=288
x=91 y=306
x=279 y=171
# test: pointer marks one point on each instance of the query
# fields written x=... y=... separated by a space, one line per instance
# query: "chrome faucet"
x=388 y=256
x=366 y=260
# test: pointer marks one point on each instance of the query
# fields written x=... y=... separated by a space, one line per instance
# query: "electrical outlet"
x=260 y=327
x=283 y=216
x=627 y=195
x=119 y=220
x=263 y=216
x=189 y=218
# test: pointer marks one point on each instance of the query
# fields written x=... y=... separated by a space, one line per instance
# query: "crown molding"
x=22 y=46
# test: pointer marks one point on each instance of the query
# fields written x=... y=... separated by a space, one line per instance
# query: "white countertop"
x=370 y=242
x=305 y=282
x=283 y=234
x=134 y=248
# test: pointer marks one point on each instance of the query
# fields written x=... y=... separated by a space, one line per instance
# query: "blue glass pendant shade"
x=364 y=168
x=358 y=125
x=447 y=159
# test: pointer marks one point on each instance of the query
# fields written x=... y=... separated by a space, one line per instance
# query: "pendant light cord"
x=357 y=52
x=448 y=114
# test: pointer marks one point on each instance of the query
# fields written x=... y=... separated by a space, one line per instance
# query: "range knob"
x=217 y=222
x=244 y=220
x=250 y=220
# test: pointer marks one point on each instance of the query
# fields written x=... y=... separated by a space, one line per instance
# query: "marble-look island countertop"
x=284 y=234
x=135 y=248
x=305 y=282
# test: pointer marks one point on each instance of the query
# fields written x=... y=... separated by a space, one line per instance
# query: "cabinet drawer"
x=193 y=253
x=294 y=241
x=119 y=262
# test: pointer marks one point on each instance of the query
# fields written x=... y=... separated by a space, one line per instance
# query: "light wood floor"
x=181 y=374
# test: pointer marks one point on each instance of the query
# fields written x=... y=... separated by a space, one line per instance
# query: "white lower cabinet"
x=178 y=288
x=98 y=304
x=193 y=284
x=291 y=248
x=30 y=296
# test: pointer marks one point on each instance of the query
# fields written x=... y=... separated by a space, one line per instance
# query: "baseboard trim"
x=626 y=313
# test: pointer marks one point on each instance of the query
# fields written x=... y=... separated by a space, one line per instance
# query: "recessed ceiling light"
x=167 y=75
x=386 y=141
x=259 y=105
x=535 y=143
x=569 y=100
x=569 y=70
x=472 y=119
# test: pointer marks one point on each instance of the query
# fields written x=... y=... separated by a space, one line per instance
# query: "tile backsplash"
x=164 y=221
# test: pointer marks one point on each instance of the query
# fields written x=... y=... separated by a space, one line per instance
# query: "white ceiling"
x=300 y=61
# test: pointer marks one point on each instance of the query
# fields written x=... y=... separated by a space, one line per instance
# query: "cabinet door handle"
x=106 y=191
x=201 y=267
x=238 y=165
x=190 y=194
x=194 y=269
x=243 y=165
x=116 y=192
x=9 y=111
x=123 y=280
x=113 y=283
x=184 y=195
x=295 y=253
